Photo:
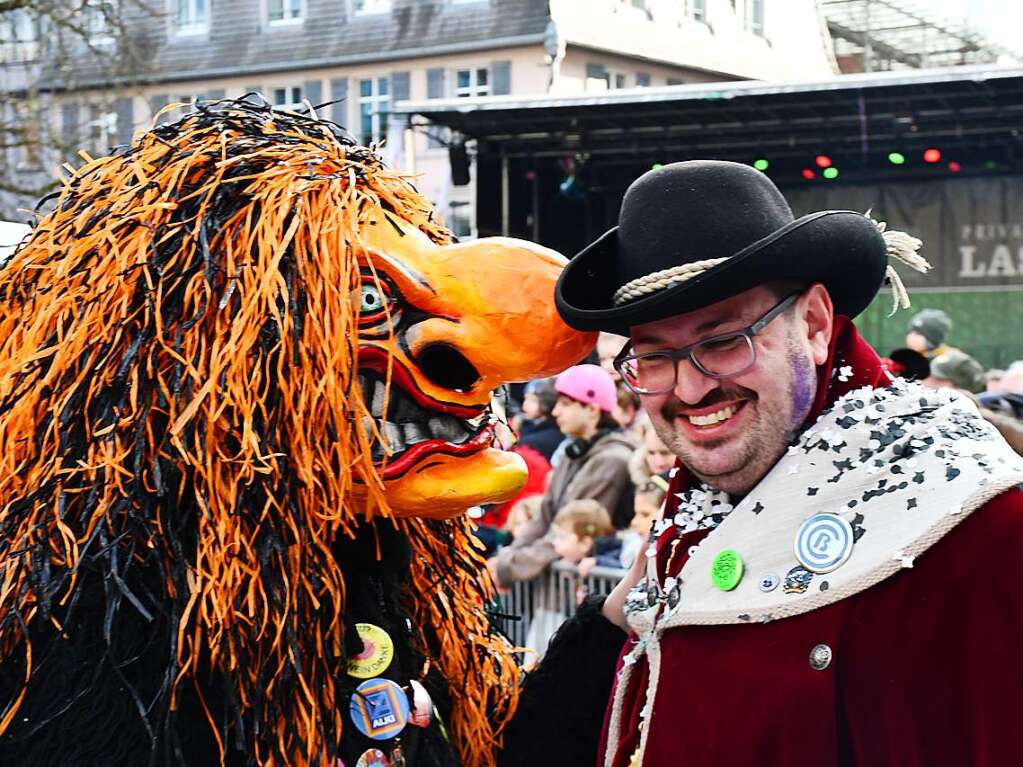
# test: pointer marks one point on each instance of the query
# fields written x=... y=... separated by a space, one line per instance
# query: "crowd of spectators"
x=591 y=462
x=930 y=357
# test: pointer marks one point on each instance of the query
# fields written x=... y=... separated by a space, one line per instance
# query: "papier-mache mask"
x=230 y=346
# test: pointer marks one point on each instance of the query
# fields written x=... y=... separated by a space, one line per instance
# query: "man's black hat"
x=693 y=233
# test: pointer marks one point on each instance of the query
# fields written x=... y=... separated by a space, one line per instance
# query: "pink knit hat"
x=589 y=384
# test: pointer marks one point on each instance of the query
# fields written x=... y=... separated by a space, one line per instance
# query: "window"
x=26 y=135
x=288 y=99
x=596 y=78
x=460 y=219
x=99 y=19
x=437 y=135
x=472 y=82
x=755 y=16
x=102 y=129
x=19 y=37
x=192 y=16
x=283 y=11
x=697 y=10
x=600 y=78
x=374 y=106
x=642 y=80
x=371 y=6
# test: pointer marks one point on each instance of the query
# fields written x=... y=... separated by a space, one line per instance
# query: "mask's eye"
x=373 y=300
x=379 y=304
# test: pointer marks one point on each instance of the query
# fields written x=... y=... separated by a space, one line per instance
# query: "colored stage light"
x=831 y=172
x=761 y=164
x=896 y=158
x=823 y=161
x=932 y=155
x=954 y=166
x=808 y=174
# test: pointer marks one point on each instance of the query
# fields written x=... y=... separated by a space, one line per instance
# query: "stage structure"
x=878 y=35
x=938 y=153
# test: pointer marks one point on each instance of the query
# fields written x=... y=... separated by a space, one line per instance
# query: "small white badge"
x=824 y=542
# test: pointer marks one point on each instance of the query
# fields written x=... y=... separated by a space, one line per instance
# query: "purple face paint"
x=802 y=388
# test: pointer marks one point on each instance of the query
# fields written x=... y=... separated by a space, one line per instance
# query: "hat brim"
x=840 y=248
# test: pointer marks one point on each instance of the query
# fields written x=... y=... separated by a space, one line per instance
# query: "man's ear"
x=818 y=313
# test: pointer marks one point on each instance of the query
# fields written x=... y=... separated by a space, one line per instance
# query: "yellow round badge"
x=377 y=653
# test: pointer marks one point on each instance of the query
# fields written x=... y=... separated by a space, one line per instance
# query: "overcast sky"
x=1000 y=20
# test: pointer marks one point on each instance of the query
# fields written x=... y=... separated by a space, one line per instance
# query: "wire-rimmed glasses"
x=722 y=356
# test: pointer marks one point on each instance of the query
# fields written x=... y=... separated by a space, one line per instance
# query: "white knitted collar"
x=903 y=465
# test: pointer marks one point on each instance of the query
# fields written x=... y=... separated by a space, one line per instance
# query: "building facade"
x=360 y=57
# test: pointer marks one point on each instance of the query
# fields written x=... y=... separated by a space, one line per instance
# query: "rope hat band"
x=665 y=278
x=900 y=246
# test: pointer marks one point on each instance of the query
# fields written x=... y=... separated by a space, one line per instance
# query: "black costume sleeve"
x=561 y=709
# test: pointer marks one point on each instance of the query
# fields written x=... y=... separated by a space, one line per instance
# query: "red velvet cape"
x=926 y=671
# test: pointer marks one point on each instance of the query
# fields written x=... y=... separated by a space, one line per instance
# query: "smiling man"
x=820 y=586
x=726 y=417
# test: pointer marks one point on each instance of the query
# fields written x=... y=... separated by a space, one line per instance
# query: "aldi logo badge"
x=379 y=709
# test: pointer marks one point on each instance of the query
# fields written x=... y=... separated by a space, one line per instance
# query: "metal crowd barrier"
x=557 y=591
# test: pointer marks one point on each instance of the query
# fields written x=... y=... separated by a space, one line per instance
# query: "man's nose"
x=691 y=385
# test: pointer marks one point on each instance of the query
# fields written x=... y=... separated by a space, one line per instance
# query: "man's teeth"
x=712 y=418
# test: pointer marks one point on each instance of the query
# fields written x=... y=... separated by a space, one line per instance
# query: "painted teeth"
x=379 y=399
x=447 y=428
x=410 y=424
x=367 y=427
x=712 y=418
x=392 y=433
x=413 y=433
x=478 y=421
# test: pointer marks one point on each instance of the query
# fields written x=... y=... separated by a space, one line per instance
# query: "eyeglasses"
x=723 y=356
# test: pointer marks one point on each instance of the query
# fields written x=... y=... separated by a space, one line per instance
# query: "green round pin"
x=726 y=570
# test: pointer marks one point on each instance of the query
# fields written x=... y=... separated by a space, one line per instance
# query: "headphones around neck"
x=580 y=446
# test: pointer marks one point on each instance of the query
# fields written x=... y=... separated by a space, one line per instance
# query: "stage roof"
x=962 y=109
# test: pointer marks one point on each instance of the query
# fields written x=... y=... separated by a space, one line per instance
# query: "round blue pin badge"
x=823 y=542
x=379 y=709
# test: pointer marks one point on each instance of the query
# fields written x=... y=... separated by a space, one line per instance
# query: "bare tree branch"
x=52 y=52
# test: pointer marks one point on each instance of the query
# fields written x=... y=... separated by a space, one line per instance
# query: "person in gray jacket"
x=595 y=466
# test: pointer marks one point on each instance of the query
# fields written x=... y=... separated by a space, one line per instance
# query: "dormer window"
x=192 y=16
x=99 y=18
x=284 y=11
x=367 y=7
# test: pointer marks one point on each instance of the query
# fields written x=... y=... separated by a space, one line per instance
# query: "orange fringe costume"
x=178 y=411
